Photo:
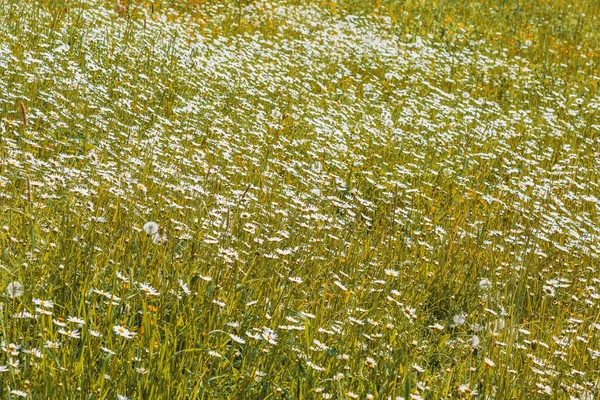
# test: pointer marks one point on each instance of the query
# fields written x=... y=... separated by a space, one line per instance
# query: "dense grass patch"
x=351 y=199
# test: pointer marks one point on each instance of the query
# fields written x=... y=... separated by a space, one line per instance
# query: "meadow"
x=285 y=199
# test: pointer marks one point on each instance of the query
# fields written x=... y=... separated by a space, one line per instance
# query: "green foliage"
x=392 y=199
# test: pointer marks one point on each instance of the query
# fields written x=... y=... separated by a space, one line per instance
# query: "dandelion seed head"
x=151 y=228
x=485 y=284
x=14 y=289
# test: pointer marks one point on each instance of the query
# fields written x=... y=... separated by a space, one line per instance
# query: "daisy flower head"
x=488 y=363
x=43 y=303
x=122 y=331
x=71 y=334
x=106 y=294
x=270 y=336
x=43 y=311
x=151 y=228
x=237 y=339
x=51 y=345
x=437 y=326
x=24 y=315
x=12 y=349
x=158 y=239
x=36 y=352
x=14 y=289
x=149 y=290
x=392 y=273
x=76 y=320
x=258 y=375
x=548 y=290
x=466 y=390
x=184 y=287
x=371 y=362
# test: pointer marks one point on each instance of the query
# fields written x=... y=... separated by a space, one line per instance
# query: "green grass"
x=354 y=199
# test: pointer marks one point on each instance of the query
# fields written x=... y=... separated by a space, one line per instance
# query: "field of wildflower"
x=286 y=199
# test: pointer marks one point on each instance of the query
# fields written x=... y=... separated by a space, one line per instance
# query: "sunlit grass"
x=289 y=199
